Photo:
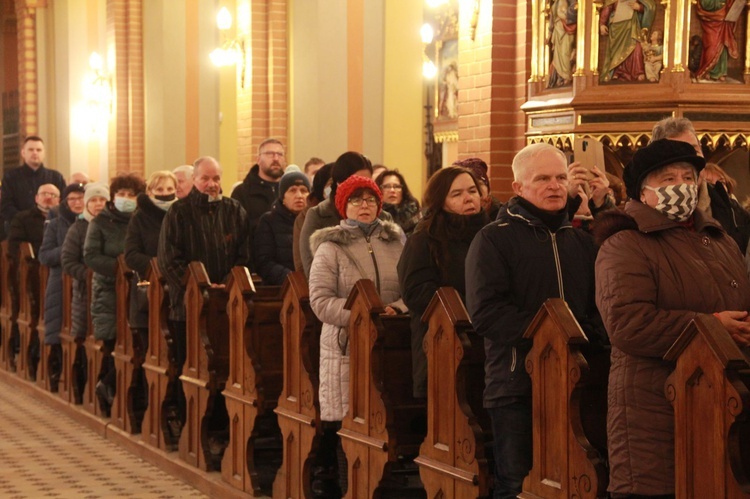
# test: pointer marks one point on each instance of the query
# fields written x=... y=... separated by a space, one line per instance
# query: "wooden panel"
x=123 y=354
x=28 y=312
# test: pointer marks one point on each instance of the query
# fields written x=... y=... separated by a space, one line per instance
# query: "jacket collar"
x=344 y=234
x=513 y=210
x=650 y=220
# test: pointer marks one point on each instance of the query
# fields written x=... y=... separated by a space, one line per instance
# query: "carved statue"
x=561 y=36
x=717 y=18
x=621 y=22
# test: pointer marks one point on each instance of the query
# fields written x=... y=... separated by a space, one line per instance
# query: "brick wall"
x=492 y=88
x=125 y=40
x=262 y=102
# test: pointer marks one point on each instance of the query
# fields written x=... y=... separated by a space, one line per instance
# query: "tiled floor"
x=46 y=454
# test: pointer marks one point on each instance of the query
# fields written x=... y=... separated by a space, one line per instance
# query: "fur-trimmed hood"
x=344 y=234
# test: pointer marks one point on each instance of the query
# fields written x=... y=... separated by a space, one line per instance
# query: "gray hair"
x=524 y=157
x=186 y=169
x=671 y=127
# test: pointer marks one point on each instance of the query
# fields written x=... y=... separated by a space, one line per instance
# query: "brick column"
x=493 y=75
x=125 y=41
x=28 y=86
x=262 y=99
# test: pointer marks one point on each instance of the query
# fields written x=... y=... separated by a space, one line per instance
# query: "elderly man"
x=531 y=253
x=28 y=225
x=260 y=188
x=206 y=227
x=21 y=184
x=184 y=174
x=662 y=262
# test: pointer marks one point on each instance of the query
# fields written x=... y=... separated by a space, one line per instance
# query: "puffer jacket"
x=653 y=276
x=50 y=254
x=74 y=265
x=332 y=277
x=272 y=250
x=256 y=196
x=105 y=240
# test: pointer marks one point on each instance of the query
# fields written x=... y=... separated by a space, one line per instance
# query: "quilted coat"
x=653 y=276
x=73 y=264
x=332 y=276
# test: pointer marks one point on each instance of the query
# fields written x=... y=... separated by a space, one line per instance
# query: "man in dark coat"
x=531 y=253
x=28 y=225
x=206 y=227
x=21 y=184
x=260 y=189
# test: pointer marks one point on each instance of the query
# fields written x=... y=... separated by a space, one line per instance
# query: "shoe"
x=105 y=393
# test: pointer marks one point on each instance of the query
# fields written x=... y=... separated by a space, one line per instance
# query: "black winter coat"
x=406 y=214
x=141 y=245
x=27 y=226
x=420 y=274
x=20 y=186
x=50 y=254
x=272 y=246
x=196 y=230
x=74 y=265
x=256 y=196
x=513 y=266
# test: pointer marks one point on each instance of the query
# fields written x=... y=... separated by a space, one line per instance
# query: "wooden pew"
x=8 y=313
x=380 y=434
x=28 y=312
x=206 y=433
x=298 y=408
x=94 y=356
x=67 y=342
x=453 y=460
x=566 y=464
x=122 y=414
x=157 y=367
x=710 y=392
x=254 y=384
x=43 y=350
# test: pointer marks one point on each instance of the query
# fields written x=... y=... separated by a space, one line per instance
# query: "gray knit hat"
x=292 y=176
x=95 y=189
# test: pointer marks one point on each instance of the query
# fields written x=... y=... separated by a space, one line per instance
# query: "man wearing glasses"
x=261 y=185
x=28 y=225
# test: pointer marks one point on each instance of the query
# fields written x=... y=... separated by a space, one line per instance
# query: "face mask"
x=166 y=197
x=327 y=192
x=125 y=205
x=677 y=202
x=164 y=205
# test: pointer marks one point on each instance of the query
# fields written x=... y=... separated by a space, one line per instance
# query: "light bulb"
x=427 y=33
x=429 y=70
x=224 y=19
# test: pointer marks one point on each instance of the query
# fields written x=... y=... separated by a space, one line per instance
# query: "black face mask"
x=166 y=197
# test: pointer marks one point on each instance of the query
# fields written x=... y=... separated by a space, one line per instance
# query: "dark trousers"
x=511 y=428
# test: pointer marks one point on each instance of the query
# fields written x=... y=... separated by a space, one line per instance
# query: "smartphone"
x=589 y=152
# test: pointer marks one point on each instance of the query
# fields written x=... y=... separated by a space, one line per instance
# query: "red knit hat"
x=345 y=190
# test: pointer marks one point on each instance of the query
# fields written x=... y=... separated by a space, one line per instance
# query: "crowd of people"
x=628 y=273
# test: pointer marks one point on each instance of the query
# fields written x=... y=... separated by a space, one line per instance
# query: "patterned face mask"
x=677 y=202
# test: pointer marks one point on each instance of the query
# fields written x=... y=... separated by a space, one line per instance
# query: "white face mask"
x=677 y=202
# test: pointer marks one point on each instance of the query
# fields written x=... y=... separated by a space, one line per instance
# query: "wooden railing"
x=122 y=414
x=94 y=356
x=453 y=460
x=384 y=427
x=710 y=392
x=67 y=342
x=298 y=408
x=8 y=309
x=28 y=313
x=565 y=463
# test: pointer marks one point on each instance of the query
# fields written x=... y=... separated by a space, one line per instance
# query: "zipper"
x=374 y=262
x=557 y=265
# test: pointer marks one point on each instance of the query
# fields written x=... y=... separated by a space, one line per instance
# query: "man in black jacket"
x=28 y=225
x=260 y=188
x=529 y=254
x=20 y=185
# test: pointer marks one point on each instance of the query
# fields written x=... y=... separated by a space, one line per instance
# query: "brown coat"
x=652 y=277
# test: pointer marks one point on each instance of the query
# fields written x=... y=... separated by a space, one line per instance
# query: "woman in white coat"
x=360 y=247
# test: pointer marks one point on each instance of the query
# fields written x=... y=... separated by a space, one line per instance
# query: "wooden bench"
x=565 y=464
x=254 y=384
x=384 y=427
x=67 y=342
x=8 y=308
x=94 y=355
x=123 y=413
x=206 y=433
x=298 y=408
x=453 y=460
x=156 y=365
x=42 y=379
x=28 y=312
x=710 y=392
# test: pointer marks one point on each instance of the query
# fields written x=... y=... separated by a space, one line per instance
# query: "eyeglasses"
x=367 y=201
x=394 y=187
x=75 y=199
x=49 y=194
x=271 y=154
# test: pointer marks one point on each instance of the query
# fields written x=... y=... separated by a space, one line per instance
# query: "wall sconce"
x=95 y=111
x=231 y=50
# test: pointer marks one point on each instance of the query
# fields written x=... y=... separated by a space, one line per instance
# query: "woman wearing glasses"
x=360 y=247
x=398 y=200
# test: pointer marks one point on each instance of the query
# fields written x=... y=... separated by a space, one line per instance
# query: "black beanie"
x=347 y=165
x=73 y=188
x=292 y=176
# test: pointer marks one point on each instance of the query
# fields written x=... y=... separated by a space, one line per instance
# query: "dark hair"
x=131 y=181
x=313 y=161
x=347 y=165
x=269 y=141
x=407 y=196
x=319 y=184
x=439 y=186
x=34 y=138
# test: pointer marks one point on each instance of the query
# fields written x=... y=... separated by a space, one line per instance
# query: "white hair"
x=186 y=169
x=523 y=159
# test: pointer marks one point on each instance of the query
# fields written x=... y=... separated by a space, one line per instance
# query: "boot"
x=54 y=367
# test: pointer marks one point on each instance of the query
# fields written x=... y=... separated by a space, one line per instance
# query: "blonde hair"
x=158 y=177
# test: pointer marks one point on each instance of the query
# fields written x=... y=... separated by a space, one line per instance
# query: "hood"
x=345 y=235
x=147 y=206
x=513 y=210
x=252 y=175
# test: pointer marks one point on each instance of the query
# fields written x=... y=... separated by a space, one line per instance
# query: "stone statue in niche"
x=653 y=52
x=622 y=22
x=561 y=37
x=718 y=41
